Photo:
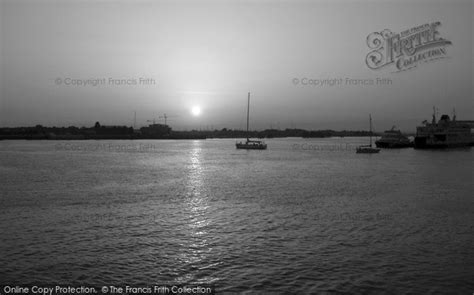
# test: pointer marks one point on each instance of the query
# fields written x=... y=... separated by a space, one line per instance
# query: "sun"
x=196 y=111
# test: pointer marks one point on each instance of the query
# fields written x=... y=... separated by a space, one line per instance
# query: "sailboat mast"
x=248 y=111
x=370 y=123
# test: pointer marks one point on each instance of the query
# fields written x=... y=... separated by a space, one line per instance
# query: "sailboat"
x=368 y=149
x=250 y=144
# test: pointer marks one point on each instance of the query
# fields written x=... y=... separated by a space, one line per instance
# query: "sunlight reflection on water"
x=284 y=220
x=196 y=248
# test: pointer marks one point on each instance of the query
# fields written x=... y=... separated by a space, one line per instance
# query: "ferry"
x=445 y=133
x=393 y=138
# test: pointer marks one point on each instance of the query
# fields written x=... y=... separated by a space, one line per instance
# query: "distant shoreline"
x=159 y=131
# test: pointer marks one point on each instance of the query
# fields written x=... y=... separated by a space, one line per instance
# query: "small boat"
x=393 y=138
x=250 y=144
x=368 y=149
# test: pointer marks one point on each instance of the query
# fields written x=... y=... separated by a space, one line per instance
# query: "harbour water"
x=306 y=215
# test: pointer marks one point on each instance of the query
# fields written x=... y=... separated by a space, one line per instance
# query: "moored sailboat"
x=368 y=149
x=250 y=144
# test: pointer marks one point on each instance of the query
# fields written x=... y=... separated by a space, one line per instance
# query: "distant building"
x=156 y=131
x=112 y=130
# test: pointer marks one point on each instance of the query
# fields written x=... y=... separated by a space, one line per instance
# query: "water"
x=306 y=215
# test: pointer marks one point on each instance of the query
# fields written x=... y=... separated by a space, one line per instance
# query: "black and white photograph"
x=188 y=147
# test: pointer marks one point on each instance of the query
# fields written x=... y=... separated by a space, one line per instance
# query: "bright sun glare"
x=196 y=111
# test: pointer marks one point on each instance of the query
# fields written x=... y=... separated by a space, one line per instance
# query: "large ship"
x=393 y=138
x=445 y=133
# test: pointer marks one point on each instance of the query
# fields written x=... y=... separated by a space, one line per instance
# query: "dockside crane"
x=166 y=117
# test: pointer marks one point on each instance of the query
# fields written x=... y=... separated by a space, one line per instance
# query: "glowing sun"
x=196 y=111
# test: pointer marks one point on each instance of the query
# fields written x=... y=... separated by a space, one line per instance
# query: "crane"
x=166 y=117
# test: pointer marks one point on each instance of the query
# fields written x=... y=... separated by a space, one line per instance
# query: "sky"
x=74 y=62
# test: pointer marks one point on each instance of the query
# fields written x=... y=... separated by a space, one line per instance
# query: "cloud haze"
x=211 y=53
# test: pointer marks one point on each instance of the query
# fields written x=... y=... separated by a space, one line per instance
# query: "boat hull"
x=393 y=145
x=367 y=150
x=246 y=146
x=428 y=143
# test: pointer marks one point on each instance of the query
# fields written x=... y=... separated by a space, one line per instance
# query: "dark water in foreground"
x=305 y=216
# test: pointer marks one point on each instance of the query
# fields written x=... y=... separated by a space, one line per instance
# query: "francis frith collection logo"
x=407 y=49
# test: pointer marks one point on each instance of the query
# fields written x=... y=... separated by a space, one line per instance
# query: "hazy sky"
x=211 y=53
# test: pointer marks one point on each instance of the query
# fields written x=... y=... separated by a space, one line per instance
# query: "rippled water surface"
x=306 y=215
